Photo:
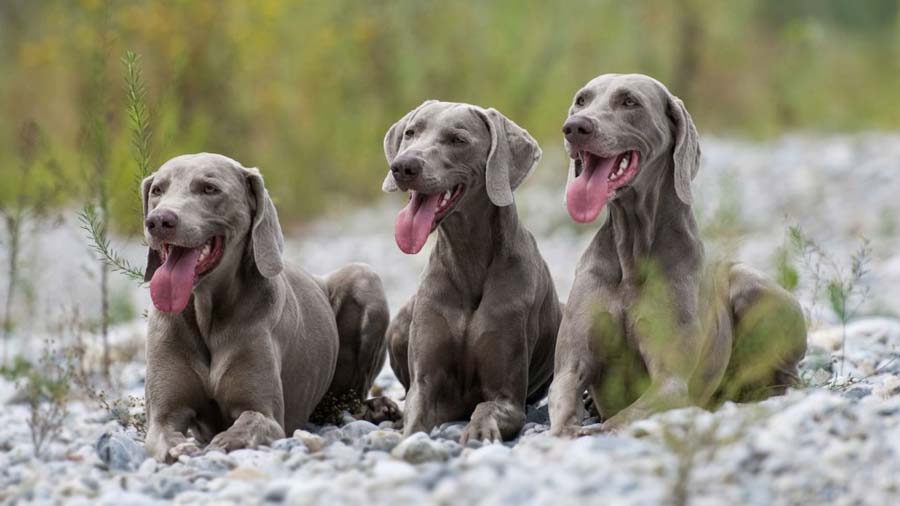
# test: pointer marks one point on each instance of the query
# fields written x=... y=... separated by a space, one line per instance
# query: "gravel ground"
x=835 y=442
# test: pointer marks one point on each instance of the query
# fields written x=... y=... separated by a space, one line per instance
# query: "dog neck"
x=641 y=221
x=218 y=296
x=473 y=237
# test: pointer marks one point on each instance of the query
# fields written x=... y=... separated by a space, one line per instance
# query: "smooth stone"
x=857 y=393
x=313 y=442
x=148 y=467
x=451 y=431
x=381 y=440
x=357 y=429
x=393 y=471
x=167 y=487
x=817 y=358
x=537 y=414
x=120 y=452
x=287 y=444
x=419 y=448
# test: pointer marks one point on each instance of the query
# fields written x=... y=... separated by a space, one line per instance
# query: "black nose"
x=578 y=129
x=406 y=168
x=161 y=223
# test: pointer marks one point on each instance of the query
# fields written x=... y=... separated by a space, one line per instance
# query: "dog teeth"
x=624 y=163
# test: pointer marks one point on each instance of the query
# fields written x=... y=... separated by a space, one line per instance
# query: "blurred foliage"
x=306 y=89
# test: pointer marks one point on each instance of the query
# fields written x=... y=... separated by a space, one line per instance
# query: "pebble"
x=419 y=448
x=382 y=440
x=120 y=452
x=357 y=429
x=313 y=442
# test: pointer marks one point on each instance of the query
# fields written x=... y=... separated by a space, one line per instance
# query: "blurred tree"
x=305 y=90
x=27 y=195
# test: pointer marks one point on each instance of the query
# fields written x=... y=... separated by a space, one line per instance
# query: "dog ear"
x=513 y=156
x=153 y=258
x=265 y=236
x=392 y=140
x=686 y=153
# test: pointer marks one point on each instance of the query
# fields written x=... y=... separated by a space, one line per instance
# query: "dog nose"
x=161 y=223
x=578 y=129
x=406 y=169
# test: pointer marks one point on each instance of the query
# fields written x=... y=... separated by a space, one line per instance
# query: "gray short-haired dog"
x=242 y=347
x=650 y=324
x=477 y=339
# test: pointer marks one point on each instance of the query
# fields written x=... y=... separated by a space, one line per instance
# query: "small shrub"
x=843 y=286
x=46 y=386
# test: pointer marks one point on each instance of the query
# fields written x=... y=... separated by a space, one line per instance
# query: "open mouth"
x=422 y=215
x=597 y=178
x=182 y=267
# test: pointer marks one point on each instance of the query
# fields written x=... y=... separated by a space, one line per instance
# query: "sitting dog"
x=242 y=347
x=650 y=325
x=476 y=341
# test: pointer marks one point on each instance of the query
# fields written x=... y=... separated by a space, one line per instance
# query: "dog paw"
x=188 y=448
x=228 y=441
x=381 y=409
x=484 y=429
x=590 y=430
x=565 y=431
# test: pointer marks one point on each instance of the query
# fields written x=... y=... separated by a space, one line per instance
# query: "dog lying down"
x=650 y=324
x=242 y=348
x=476 y=341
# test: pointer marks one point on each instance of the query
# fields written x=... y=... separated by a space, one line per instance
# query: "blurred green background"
x=306 y=89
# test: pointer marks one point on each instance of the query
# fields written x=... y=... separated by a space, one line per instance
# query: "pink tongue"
x=414 y=222
x=172 y=282
x=587 y=193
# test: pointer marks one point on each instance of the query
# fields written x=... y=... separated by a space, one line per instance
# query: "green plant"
x=843 y=286
x=94 y=217
x=95 y=227
x=46 y=386
x=129 y=411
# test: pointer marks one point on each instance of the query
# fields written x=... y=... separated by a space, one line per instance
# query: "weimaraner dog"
x=242 y=347
x=476 y=341
x=650 y=324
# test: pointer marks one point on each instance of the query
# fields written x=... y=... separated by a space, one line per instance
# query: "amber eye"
x=156 y=191
x=409 y=132
x=210 y=189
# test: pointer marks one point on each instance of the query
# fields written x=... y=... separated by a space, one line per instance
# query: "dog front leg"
x=670 y=367
x=495 y=420
x=251 y=429
x=166 y=440
x=574 y=367
x=248 y=388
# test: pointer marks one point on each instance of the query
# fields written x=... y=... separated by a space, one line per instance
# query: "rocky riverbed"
x=835 y=441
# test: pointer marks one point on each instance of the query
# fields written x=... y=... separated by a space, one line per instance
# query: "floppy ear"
x=392 y=140
x=265 y=236
x=513 y=156
x=153 y=258
x=686 y=154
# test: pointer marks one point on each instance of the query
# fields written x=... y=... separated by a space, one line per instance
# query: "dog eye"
x=408 y=133
x=156 y=191
x=459 y=139
x=579 y=101
x=629 y=102
x=210 y=189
